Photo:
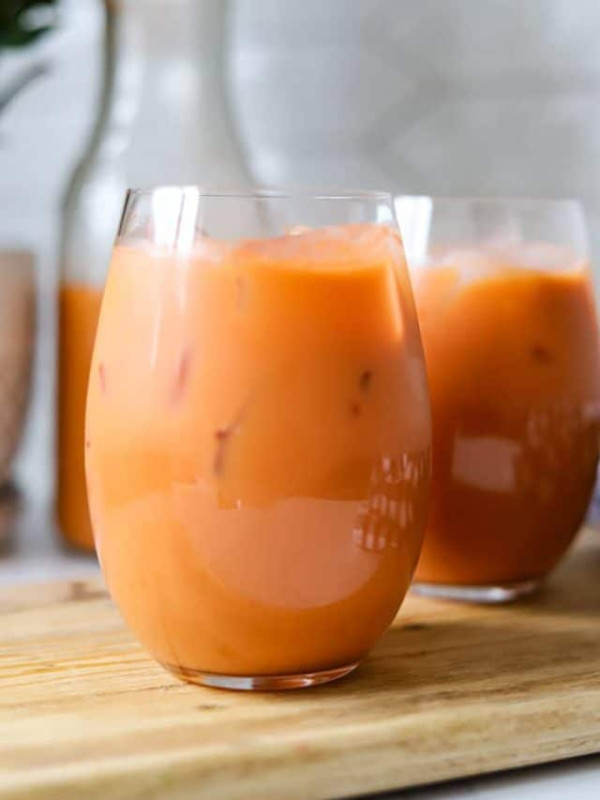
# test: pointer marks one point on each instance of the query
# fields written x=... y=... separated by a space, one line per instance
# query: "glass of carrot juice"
x=507 y=315
x=258 y=432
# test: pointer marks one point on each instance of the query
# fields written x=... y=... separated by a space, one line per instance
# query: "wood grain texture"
x=451 y=691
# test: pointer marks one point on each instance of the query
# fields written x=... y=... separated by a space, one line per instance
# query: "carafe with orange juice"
x=144 y=44
x=508 y=320
x=258 y=432
x=91 y=216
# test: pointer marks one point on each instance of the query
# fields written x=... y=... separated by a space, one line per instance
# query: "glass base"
x=490 y=595
x=259 y=683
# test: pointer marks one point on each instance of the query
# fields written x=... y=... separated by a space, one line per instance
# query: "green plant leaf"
x=18 y=26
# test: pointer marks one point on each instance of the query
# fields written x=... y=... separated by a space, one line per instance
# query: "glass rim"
x=265 y=193
x=492 y=200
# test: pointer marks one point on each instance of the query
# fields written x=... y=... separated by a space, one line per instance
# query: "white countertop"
x=578 y=779
x=34 y=553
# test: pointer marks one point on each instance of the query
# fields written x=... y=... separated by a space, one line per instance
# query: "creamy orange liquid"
x=513 y=366
x=258 y=449
x=79 y=307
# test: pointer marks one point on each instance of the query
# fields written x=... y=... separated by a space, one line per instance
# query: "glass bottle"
x=172 y=126
x=91 y=216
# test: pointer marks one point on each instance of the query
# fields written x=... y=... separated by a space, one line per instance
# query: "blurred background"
x=485 y=97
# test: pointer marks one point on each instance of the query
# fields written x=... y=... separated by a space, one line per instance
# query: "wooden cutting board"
x=451 y=691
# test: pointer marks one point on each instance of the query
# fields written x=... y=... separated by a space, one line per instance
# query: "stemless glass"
x=258 y=432
x=508 y=321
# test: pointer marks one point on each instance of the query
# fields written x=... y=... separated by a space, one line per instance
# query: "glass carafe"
x=162 y=61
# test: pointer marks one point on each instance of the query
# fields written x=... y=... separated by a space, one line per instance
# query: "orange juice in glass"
x=509 y=327
x=258 y=432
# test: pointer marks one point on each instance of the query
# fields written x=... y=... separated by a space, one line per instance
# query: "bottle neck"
x=116 y=109
x=184 y=131
x=164 y=114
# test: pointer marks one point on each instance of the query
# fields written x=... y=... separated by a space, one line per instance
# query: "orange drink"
x=257 y=447
x=79 y=306
x=511 y=345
